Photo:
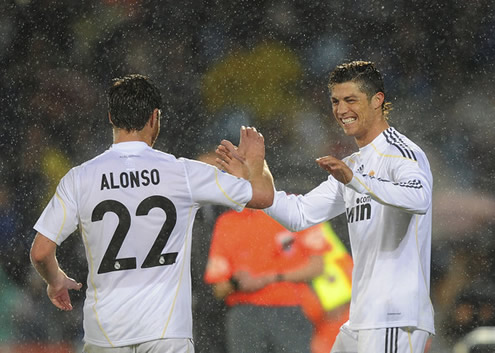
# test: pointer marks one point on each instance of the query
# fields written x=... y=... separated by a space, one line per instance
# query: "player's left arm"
x=44 y=260
x=408 y=188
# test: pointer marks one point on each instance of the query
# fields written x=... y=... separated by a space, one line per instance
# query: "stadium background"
x=221 y=64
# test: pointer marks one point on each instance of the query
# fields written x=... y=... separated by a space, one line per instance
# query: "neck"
x=372 y=134
x=120 y=135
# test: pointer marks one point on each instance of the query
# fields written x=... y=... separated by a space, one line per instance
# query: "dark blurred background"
x=222 y=64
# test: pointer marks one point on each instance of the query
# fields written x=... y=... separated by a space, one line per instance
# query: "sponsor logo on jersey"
x=129 y=179
x=360 y=212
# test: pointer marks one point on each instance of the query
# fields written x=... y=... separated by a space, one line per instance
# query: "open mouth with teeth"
x=348 y=120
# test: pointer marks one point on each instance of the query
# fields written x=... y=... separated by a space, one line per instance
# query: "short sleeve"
x=60 y=217
x=209 y=185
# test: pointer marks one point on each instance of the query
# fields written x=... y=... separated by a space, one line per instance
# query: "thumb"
x=72 y=284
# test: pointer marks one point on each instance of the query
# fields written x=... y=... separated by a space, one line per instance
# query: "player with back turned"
x=134 y=207
x=385 y=189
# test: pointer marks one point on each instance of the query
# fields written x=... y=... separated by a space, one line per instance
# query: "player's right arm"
x=298 y=212
x=45 y=262
x=57 y=222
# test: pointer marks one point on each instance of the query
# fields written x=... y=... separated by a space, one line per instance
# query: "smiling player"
x=385 y=189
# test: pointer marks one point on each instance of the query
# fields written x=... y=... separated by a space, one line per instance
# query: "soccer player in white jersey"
x=134 y=207
x=385 y=190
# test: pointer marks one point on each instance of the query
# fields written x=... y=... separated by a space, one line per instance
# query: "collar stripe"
x=394 y=139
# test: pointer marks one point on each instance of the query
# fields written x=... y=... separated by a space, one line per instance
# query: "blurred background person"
x=262 y=272
x=328 y=308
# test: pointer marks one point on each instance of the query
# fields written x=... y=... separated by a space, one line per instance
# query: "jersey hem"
x=355 y=327
x=129 y=342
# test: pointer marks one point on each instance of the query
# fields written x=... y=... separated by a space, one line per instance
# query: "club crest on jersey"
x=130 y=179
x=360 y=212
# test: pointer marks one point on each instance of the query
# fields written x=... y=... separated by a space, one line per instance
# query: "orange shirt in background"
x=252 y=241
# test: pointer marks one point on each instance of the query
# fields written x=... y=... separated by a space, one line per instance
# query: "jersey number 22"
x=155 y=257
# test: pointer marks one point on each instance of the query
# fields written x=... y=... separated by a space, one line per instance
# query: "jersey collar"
x=129 y=146
x=377 y=142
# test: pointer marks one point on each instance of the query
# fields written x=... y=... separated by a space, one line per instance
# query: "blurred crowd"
x=222 y=64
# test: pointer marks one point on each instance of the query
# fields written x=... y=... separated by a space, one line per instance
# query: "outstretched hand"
x=229 y=160
x=59 y=293
x=243 y=160
x=248 y=161
x=337 y=168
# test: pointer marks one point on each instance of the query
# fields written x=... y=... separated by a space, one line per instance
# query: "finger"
x=218 y=163
x=326 y=165
x=62 y=302
x=225 y=149
x=221 y=164
x=242 y=134
x=223 y=153
x=251 y=132
x=70 y=283
x=326 y=159
x=256 y=134
x=59 y=305
x=74 y=285
x=229 y=146
x=232 y=149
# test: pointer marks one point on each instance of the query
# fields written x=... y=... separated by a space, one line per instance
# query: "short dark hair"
x=363 y=73
x=131 y=101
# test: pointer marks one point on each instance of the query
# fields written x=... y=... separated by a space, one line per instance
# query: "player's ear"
x=377 y=100
x=110 y=118
x=155 y=117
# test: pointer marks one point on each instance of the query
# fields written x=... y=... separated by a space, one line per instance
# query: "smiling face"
x=360 y=116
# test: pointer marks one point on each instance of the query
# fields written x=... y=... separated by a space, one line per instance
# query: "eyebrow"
x=346 y=97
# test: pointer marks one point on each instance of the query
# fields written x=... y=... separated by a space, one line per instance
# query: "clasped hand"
x=248 y=158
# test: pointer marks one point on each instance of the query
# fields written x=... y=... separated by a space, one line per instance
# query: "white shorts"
x=383 y=340
x=167 y=345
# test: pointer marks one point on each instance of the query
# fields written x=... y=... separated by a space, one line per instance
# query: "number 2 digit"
x=155 y=257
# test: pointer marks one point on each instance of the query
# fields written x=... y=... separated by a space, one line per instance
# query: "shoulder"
x=196 y=168
x=163 y=155
x=351 y=159
x=399 y=145
x=90 y=163
x=193 y=162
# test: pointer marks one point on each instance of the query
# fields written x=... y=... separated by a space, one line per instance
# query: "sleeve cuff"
x=356 y=185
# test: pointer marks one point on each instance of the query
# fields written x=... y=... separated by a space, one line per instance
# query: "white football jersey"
x=135 y=207
x=388 y=209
